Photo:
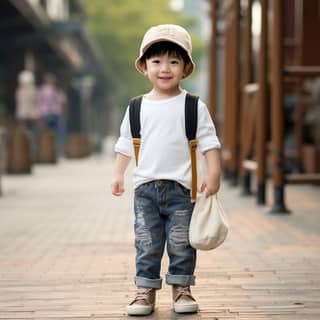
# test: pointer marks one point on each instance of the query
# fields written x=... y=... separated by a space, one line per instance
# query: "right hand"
x=117 y=187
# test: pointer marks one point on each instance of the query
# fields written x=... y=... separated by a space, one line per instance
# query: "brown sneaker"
x=183 y=301
x=143 y=303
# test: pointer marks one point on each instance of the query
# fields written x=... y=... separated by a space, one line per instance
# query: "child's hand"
x=117 y=187
x=210 y=186
x=211 y=183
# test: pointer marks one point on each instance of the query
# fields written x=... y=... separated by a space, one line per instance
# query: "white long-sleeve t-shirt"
x=164 y=151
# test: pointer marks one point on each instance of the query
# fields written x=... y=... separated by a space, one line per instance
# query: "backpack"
x=191 y=123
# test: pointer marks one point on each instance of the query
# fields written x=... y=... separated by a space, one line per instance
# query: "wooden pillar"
x=247 y=46
x=233 y=91
x=246 y=79
x=277 y=114
x=261 y=137
x=226 y=153
x=213 y=62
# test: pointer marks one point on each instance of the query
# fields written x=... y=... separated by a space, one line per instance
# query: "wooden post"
x=247 y=46
x=213 y=62
x=233 y=91
x=277 y=116
x=261 y=139
x=246 y=79
x=226 y=152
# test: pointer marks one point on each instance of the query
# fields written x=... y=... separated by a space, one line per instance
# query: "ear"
x=144 y=68
x=186 y=69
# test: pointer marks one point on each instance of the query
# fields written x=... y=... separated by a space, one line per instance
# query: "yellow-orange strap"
x=136 y=146
x=193 y=147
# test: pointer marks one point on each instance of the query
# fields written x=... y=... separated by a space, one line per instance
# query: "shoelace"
x=143 y=294
x=183 y=291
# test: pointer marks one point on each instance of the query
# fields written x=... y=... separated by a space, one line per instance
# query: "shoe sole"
x=185 y=308
x=139 y=310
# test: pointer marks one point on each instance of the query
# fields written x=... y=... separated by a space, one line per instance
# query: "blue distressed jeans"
x=162 y=216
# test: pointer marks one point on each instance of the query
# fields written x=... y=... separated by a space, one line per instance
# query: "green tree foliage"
x=118 y=26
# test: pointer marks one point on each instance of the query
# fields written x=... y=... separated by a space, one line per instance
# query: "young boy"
x=162 y=178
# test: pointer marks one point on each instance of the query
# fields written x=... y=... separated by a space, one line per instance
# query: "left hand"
x=210 y=186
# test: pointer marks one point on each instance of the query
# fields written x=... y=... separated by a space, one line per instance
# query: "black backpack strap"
x=134 y=116
x=191 y=116
x=191 y=124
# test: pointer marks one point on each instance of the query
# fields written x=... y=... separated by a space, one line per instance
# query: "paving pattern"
x=66 y=252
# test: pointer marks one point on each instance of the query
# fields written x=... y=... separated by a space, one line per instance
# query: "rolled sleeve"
x=206 y=132
x=124 y=142
x=124 y=146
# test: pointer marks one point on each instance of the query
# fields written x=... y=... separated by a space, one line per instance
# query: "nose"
x=164 y=67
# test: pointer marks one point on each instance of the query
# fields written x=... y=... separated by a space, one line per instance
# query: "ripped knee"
x=143 y=234
x=179 y=232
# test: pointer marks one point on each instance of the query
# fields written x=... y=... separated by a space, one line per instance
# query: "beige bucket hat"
x=166 y=32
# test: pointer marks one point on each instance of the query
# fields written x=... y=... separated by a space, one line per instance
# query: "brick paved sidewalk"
x=66 y=252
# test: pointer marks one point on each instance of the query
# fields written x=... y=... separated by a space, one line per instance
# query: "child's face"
x=165 y=72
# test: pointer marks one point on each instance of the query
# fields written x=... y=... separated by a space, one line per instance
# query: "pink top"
x=50 y=100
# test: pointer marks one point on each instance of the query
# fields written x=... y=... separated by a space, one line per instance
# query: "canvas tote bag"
x=209 y=226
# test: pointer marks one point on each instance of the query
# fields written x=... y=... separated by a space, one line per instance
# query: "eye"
x=175 y=61
x=155 y=61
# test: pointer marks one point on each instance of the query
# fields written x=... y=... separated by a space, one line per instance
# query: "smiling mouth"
x=165 y=78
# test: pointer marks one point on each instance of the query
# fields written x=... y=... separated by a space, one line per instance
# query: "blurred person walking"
x=27 y=111
x=51 y=101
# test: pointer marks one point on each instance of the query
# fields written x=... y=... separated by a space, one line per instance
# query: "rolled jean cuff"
x=148 y=283
x=182 y=280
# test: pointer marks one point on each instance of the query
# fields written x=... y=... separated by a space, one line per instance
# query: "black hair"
x=166 y=47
